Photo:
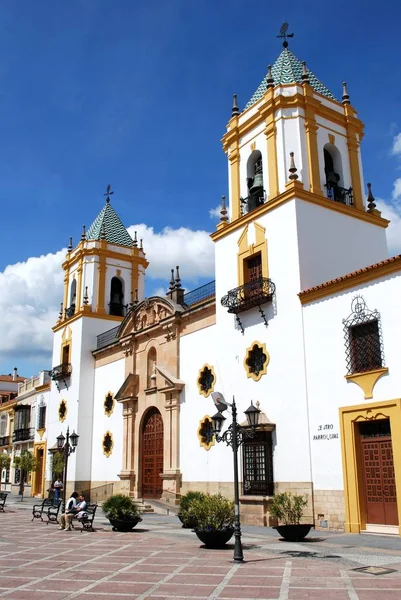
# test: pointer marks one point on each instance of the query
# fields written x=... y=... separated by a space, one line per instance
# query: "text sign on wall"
x=325 y=432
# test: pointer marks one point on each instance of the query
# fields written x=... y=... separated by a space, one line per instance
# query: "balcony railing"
x=252 y=201
x=340 y=194
x=244 y=297
x=201 y=293
x=5 y=441
x=22 y=435
x=70 y=312
x=61 y=371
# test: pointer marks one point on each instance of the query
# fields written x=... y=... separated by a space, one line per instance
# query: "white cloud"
x=397 y=189
x=392 y=212
x=214 y=213
x=192 y=250
x=31 y=291
x=396 y=149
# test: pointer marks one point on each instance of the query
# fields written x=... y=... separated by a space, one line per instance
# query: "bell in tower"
x=255 y=186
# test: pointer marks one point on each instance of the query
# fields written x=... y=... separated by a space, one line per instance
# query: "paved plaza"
x=160 y=560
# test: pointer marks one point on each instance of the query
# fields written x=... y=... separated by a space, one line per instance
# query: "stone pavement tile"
x=84 y=575
x=29 y=572
x=256 y=580
x=149 y=569
x=256 y=593
x=378 y=595
x=206 y=578
x=56 y=584
x=138 y=577
x=315 y=571
x=312 y=582
x=380 y=582
x=112 y=587
x=185 y=591
x=42 y=595
x=309 y=594
x=13 y=582
x=195 y=570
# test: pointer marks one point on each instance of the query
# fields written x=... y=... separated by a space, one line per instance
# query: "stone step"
x=143 y=507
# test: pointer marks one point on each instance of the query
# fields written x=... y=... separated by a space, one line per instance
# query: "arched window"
x=116 y=297
x=254 y=180
x=334 y=176
x=3 y=426
x=151 y=368
x=73 y=298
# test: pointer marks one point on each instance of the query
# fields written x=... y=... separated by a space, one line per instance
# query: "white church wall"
x=332 y=244
x=278 y=393
x=328 y=390
x=291 y=139
x=108 y=379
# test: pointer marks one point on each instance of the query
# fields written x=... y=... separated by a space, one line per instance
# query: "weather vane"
x=283 y=34
x=108 y=193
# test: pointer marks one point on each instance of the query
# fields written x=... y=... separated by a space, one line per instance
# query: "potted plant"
x=122 y=512
x=214 y=515
x=288 y=509
x=184 y=512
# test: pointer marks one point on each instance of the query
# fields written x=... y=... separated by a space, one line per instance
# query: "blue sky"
x=138 y=93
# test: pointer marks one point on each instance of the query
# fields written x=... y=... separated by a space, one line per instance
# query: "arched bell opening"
x=254 y=180
x=73 y=298
x=334 y=176
x=116 y=304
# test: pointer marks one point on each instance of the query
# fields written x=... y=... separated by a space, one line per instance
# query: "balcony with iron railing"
x=61 y=372
x=23 y=435
x=339 y=194
x=204 y=292
x=249 y=295
x=4 y=441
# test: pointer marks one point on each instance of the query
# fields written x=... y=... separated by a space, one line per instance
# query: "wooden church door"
x=152 y=455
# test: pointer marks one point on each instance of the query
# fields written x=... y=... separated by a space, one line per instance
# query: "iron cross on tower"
x=283 y=34
x=108 y=193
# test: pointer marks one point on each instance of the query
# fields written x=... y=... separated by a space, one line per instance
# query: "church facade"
x=301 y=319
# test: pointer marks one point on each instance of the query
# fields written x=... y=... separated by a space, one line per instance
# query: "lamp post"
x=234 y=436
x=67 y=446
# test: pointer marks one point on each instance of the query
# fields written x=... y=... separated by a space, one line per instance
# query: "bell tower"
x=294 y=160
x=104 y=276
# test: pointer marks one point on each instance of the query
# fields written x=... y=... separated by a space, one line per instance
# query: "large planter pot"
x=215 y=539
x=123 y=525
x=190 y=523
x=293 y=533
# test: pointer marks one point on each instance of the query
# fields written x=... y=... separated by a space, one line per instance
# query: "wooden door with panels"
x=152 y=455
x=377 y=464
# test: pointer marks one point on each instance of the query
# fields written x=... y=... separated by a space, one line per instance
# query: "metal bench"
x=49 y=507
x=87 y=522
x=3 y=498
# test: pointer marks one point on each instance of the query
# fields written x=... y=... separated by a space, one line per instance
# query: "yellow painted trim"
x=83 y=313
x=332 y=139
x=39 y=446
x=78 y=301
x=249 y=374
x=245 y=251
x=66 y=340
x=202 y=441
x=65 y=295
x=271 y=147
x=234 y=161
x=353 y=147
x=60 y=418
x=211 y=389
x=41 y=432
x=136 y=255
x=42 y=388
x=311 y=142
x=355 y=518
x=101 y=286
x=108 y=413
x=108 y=453
x=351 y=280
x=367 y=381
x=294 y=192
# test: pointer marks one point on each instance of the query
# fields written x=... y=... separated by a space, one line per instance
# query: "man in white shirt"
x=70 y=511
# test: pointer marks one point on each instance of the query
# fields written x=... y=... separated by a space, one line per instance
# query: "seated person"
x=72 y=510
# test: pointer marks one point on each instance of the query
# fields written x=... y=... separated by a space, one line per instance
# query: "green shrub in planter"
x=120 y=507
x=213 y=512
x=288 y=508
x=184 y=512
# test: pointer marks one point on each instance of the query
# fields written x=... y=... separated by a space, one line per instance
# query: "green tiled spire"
x=288 y=69
x=108 y=226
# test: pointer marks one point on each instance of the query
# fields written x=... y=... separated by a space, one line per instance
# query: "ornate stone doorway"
x=152 y=454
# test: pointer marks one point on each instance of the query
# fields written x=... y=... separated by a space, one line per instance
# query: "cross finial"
x=283 y=34
x=108 y=193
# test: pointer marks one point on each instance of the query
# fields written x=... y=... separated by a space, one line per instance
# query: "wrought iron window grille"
x=249 y=295
x=206 y=433
x=62 y=410
x=364 y=350
x=256 y=360
x=107 y=444
x=258 y=465
x=61 y=373
x=108 y=405
x=206 y=380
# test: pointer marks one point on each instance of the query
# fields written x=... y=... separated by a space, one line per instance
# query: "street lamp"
x=67 y=446
x=234 y=436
